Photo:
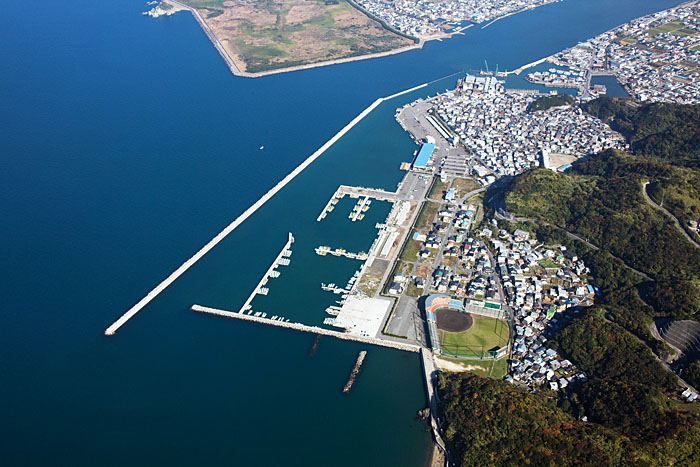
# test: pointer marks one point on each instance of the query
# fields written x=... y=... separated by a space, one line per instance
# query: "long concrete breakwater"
x=212 y=37
x=247 y=213
x=309 y=329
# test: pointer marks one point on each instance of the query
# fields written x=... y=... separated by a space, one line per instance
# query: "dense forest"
x=547 y=102
x=494 y=423
x=487 y=422
x=692 y=373
x=611 y=212
x=668 y=132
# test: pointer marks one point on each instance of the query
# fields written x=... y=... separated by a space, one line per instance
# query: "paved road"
x=678 y=224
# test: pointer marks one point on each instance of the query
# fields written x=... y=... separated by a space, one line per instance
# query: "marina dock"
x=248 y=212
x=326 y=250
x=282 y=259
x=357 y=192
x=360 y=207
x=309 y=329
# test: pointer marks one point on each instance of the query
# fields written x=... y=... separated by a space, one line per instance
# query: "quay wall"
x=310 y=329
x=428 y=367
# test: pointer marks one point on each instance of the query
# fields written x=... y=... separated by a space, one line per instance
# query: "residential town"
x=656 y=58
x=542 y=286
x=494 y=123
x=424 y=18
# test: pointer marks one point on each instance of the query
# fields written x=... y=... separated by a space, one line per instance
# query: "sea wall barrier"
x=310 y=329
x=246 y=214
x=355 y=371
x=529 y=65
x=428 y=367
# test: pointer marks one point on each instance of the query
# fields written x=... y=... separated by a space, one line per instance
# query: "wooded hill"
x=629 y=397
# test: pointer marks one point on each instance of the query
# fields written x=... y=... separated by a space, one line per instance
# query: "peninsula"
x=274 y=36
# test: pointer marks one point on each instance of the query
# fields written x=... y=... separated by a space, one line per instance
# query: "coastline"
x=245 y=74
x=522 y=10
x=607 y=72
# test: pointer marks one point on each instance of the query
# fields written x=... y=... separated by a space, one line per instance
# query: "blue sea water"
x=126 y=145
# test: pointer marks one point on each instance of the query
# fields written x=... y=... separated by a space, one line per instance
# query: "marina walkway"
x=285 y=252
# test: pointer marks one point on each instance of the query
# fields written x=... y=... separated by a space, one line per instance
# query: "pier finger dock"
x=357 y=192
x=282 y=259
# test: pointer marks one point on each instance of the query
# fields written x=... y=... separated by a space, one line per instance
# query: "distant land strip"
x=238 y=72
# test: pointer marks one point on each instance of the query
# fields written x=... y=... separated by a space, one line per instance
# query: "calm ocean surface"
x=126 y=145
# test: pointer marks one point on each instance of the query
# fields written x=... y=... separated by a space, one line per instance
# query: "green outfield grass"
x=477 y=340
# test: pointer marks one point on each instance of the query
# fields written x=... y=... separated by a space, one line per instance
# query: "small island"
x=272 y=36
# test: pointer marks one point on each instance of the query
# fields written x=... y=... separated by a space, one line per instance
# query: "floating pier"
x=360 y=207
x=330 y=205
x=282 y=259
x=311 y=329
x=326 y=250
x=355 y=371
x=335 y=289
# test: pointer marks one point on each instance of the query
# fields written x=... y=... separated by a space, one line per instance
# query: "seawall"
x=428 y=367
x=309 y=329
x=246 y=214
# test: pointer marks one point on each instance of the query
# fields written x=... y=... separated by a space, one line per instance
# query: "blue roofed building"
x=423 y=156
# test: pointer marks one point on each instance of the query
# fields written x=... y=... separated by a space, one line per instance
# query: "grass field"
x=267 y=35
x=464 y=186
x=437 y=191
x=427 y=215
x=548 y=263
x=410 y=251
x=484 y=335
x=674 y=27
